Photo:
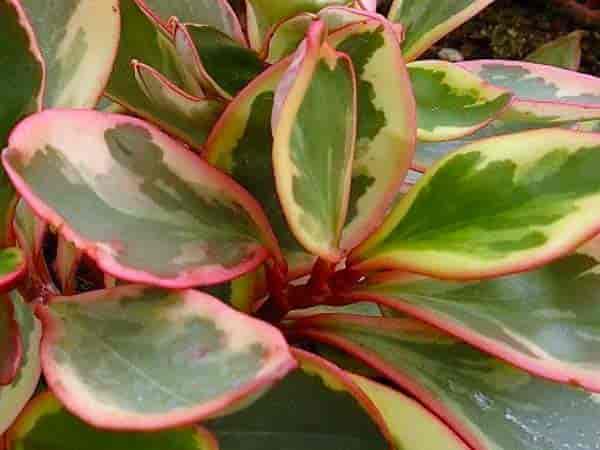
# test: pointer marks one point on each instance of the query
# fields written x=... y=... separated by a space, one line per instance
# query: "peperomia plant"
x=269 y=226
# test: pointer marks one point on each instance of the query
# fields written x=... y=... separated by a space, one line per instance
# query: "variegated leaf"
x=262 y=15
x=214 y=13
x=543 y=321
x=241 y=145
x=314 y=131
x=11 y=346
x=452 y=102
x=140 y=204
x=14 y=396
x=490 y=404
x=563 y=52
x=45 y=423
x=494 y=207
x=427 y=21
x=411 y=425
x=99 y=356
x=220 y=64
x=79 y=41
x=385 y=137
x=317 y=407
x=193 y=116
x=544 y=91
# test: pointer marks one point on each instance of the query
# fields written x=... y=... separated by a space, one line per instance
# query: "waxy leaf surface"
x=140 y=204
x=543 y=321
x=490 y=404
x=427 y=21
x=78 y=40
x=452 y=102
x=317 y=407
x=99 y=356
x=563 y=52
x=385 y=136
x=14 y=396
x=314 y=130
x=45 y=424
x=497 y=206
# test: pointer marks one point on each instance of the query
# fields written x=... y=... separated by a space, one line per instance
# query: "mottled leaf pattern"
x=213 y=357
x=140 y=204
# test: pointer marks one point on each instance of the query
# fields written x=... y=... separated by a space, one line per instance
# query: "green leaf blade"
x=564 y=52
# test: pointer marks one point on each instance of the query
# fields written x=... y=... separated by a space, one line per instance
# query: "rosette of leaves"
x=295 y=234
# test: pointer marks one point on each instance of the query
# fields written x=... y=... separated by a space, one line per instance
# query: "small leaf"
x=490 y=404
x=427 y=21
x=452 y=102
x=314 y=130
x=140 y=204
x=14 y=396
x=287 y=36
x=79 y=41
x=68 y=257
x=494 y=207
x=412 y=426
x=563 y=52
x=192 y=116
x=214 y=13
x=46 y=424
x=220 y=64
x=317 y=407
x=11 y=347
x=262 y=15
x=99 y=356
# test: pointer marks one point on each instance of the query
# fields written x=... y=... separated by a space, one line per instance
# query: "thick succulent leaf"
x=427 y=21
x=193 y=116
x=563 y=52
x=215 y=13
x=452 y=102
x=412 y=426
x=12 y=267
x=144 y=40
x=243 y=292
x=317 y=407
x=287 y=36
x=543 y=90
x=46 y=424
x=14 y=396
x=22 y=79
x=78 y=40
x=385 y=138
x=262 y=15
x=140 y=204
x=99 y=356
x=314 y=130
x=220 y=64
x=543 y=321
x=68 y=257
x=11 y=346
x=490 y=404
x=497 y=206
x=241 y=145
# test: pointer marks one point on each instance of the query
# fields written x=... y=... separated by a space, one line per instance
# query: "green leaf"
x=68 y=257
x=46 y=424
x=220 y=64
x=490 y=404
x=317 y=407
x=427 y=21
x=385 y=124
x=193 y=116
x=141 y=205
x=563 y=52
x=542 y=321
x=14 y=396
x=412 y=426
x=314 y=130
x=79 y=41
x=262 y=15
x=215 y=13
x=100 y=349
x=452 y=102
x=497 y=206
x=11 y=347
